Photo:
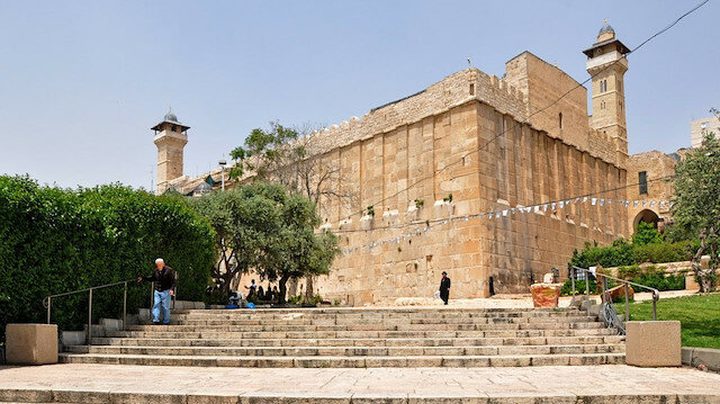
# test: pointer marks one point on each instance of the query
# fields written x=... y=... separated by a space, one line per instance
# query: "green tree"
x=646 y=233
x=263 y=228
x=291 y=157
x=697 y=205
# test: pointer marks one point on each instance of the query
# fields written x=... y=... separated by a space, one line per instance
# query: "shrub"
x=566 y=289
x=652 y=276
x=54 y=240
x=623 y=253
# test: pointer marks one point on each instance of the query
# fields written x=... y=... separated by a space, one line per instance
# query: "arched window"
x=603 y=86
x=602 y=104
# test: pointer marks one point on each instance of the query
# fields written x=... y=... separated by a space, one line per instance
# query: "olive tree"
x=291 y=157
x=263 y=228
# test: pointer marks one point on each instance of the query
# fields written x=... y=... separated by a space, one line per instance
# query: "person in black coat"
x=164 y=278
x=445 y=288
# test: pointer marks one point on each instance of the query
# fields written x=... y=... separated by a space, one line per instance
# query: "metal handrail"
x=47 y=302
x=606 y=295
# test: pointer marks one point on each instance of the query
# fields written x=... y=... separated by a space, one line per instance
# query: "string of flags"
x=423 y=227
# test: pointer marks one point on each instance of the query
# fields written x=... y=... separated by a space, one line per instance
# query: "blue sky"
x=81 y=82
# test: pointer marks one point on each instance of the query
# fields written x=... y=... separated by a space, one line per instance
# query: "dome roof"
x=606 y=29
x=171 y=117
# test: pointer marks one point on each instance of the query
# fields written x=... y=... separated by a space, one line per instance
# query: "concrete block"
x=32 y=344
x=74 y=337
x=653 y=343
x=111 y=324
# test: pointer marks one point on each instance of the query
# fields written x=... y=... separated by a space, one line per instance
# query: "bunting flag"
x=420 y=228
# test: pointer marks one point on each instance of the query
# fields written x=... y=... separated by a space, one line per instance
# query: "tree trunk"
x=282 y=285
x=309 y=288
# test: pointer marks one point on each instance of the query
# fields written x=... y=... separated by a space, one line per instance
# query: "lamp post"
x=222 y=164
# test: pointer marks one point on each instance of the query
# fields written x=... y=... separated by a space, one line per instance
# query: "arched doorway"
x=647 y=216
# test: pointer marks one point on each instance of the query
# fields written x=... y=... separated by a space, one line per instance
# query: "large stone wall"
x=522 y=167
x=468 y=135
x=657 y=165
x=551 y=93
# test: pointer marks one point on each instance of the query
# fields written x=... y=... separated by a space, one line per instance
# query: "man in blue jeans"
x=164 y=278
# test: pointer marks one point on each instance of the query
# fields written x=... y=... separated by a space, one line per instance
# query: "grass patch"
x=699 y=316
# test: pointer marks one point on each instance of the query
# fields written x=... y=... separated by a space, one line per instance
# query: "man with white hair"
x=164 y=278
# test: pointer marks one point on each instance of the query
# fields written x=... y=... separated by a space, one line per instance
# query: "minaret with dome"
x=607 y=64
x=170 y=139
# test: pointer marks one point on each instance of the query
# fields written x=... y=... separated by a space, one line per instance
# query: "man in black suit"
x=445 y=288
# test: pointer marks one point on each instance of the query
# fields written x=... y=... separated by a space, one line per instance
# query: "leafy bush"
x=54 y=240
x=623 y=253
x=646 y=233
x=652 y=276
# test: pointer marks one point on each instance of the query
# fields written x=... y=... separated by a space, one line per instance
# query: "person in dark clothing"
x=269 y=296
x=164 y=278
x=445 y=288
x=261 y=293
x=252 y=291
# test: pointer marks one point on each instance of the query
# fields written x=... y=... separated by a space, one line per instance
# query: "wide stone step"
x=367 y=327
x=389 y=322
x=349 y=362
x=115 y=384
x=364 y=334
x=285 y=342
x=269 y=315
x=351 y=350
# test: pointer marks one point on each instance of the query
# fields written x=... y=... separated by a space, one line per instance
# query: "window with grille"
x=642 y=182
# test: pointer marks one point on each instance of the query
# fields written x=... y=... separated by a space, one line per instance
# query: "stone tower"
x=170 y=139
x=607 y=66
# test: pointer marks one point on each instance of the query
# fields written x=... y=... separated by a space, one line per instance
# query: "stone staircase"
x=360 y=338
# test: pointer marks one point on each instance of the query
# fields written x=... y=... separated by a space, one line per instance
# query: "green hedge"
x=55 y=240
x=652 y=276
x=623 y=253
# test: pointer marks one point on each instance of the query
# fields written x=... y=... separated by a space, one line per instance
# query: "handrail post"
x=656 y=297
x=89 y=333
x=627 y=302
x=49 y=308
x=125 y=308
x=587 y=284
x=573 y=271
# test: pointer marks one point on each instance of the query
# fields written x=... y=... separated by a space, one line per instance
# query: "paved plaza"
x=550 y=384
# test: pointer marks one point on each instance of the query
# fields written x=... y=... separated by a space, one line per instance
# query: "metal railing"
x=609 y=314
x=47 y=302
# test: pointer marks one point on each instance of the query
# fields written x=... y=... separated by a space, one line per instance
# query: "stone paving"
x=580 y=384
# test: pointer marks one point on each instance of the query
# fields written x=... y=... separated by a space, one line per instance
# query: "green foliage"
x=697 y=205
x=54 y=240
x=267 y=151
x=623 y=253
x=652 y=276
x=313 y=300
x=698 y=315
x=263 y=228
x=566 y=289
x=646 y=233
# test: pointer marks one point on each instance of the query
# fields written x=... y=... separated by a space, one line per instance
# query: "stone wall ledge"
x=707 y=358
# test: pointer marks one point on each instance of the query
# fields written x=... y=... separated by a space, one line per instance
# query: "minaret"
x=607 y=66
x=170 y=139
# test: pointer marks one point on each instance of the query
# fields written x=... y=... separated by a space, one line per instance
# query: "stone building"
x=699 y=127
x=427 y=164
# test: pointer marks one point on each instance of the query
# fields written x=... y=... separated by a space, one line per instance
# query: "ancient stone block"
x=653 y=343
x=32 y=344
